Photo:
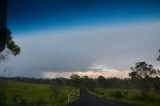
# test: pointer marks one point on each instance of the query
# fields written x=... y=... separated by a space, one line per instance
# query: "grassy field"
x=133 y=97
x=38 y=94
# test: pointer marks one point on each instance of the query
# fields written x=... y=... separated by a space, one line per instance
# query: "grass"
x=32 y=93
x=133 y=97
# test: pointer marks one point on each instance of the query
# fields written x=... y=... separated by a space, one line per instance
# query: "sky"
x=88 y=37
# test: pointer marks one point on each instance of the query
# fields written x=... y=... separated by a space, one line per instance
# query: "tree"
x=5 y=34
x=101 y=81
x=156 y=80
x=6 y=41
x=75 y=80
x=87 y=82
x=74 y=76
x=143 y=72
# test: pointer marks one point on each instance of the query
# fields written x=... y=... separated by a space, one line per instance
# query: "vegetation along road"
x=87 y=99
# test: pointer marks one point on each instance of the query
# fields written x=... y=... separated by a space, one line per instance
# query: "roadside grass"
x=133 y=97
x=38 y=93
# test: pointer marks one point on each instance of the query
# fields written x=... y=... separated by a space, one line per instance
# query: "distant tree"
x=125 y=86
x=75 y=80
x=85 y=77
x=101 y=81
x=86 y=82
x=74 y=76
x=158 y=60
x=143 y=72
x=156 y=80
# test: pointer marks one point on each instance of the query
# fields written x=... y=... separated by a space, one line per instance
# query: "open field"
x=133 y=97
x=29 y=94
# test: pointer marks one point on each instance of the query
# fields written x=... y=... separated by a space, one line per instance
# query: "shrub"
x=117 y=94
x=3 y=85
x=2 y=97
x=143 y=98
x=62 y=99
x=102 y=93
x=17 y=100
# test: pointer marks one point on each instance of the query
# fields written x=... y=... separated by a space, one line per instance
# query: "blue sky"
x=36 y=15
x=92 y=37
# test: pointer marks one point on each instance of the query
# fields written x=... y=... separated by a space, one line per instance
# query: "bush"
x=17 y=100
x=2 y=97
x=3 y=85
x=143 y=98
x=102 y=93
x=62 y=99
x=56 y=90
x=117 y=94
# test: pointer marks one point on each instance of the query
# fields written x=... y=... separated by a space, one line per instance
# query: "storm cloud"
x=82 y=49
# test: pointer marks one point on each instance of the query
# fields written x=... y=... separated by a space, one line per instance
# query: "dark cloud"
x=77 y=50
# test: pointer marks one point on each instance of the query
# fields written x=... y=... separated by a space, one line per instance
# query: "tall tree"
x=5 y=42
x=5 y=34
x=143 y=72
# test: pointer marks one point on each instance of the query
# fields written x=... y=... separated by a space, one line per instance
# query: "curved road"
x=87 y=99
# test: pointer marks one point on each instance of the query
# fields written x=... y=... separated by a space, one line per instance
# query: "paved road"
x=87 y=99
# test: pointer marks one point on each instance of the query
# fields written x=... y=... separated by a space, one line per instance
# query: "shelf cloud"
x=95 y=48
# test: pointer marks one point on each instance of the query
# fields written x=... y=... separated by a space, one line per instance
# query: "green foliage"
x=117 y=94
x=133 y=97
x=87 y=83
x=56 y=90
x=143 y=72
x=143 y=98
x=75 y=80
x=156 y=84
x=74 y=76
x=37 y=94
x=6 y=41
x=101 y=81
x=62 y=99
x=18 y=100
x=40 y=102
x=3 y=98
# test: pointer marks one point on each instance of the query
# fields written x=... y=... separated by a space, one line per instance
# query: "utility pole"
x=3 y=14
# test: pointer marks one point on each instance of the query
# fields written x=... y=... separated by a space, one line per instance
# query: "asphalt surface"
x=87 y=99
